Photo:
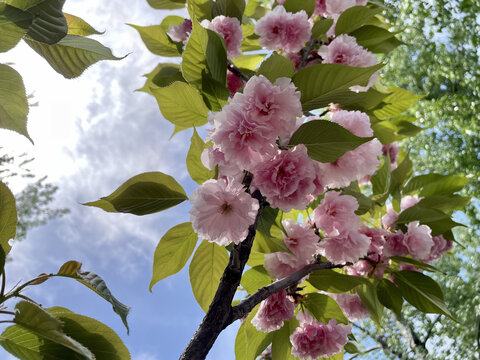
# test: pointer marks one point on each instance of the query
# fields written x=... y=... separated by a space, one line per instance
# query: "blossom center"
x=225 y=208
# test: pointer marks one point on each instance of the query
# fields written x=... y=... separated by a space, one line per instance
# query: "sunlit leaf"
x=8 y=217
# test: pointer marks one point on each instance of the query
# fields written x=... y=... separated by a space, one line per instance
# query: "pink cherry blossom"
x=180 y=32
x=230 y=30
x=222 y=211
x=336 y=213
x=274 y=105
x=357 y=163
x=282 y=30
x=345 y=50
x=349 y=246
x=409 y=201
x=391 y=150
x=282 y=264
x=351 y=305
x=418 y=240
x=315 y=339
x=300 y=240
x=286 y=178
x=394 y=245
x=273 y=311
x=440 y=247
x=240 y=136
x=377 y=238
x=335 y=7
x=212 y=157
x=390 y=217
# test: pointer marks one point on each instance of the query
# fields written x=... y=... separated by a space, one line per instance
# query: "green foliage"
x=354 y=17
x=326 y=141
x=295 y=6
x=276 y=66
x=181 y=104
x=255 y=278
x=72 y=269
x=322 y=84
x=78 y=26
x=250 y=342
x=11 y=32
x=156 y=40
x=173 y=251
x=48 y=25
x=146 y=193
x=166 y=4
x=230 y=8
x=13 y=101
x=72 y=55
x=8 y=217
x=197 y=171
x=323 y=308
x=389 y=296
x=206 y=269
x=335 y=282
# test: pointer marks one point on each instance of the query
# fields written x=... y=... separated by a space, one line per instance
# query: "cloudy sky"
x=91 y=134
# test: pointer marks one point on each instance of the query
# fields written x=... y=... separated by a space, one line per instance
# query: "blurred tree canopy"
x=34 y=201
x=440 y=61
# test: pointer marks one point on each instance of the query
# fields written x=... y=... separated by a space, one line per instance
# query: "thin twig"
x=2 y=291
x=380 y=340
x=373 y=348
x=429 y=332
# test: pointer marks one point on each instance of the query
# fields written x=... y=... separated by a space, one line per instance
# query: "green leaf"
x=276 y=66
x=197 y=171
x=444 y=203
x=323 y=84
x=401 y=174
x=72 y=55
x=167 y=4
x=13 y=101
x=267 y=219
x=364 y=202
x=321 y=27
x=353 y=18
x=72 y=269
x=369 y=36
x=249 y=62
x=181 y=104
x=250 y=342
x=78 y=26
x=390 y=297
x=37 y=320
x=438 y=221
x=368 y=295
x=143 y=194
x=422 y=292
x=381 y=181
x=171 y=20
x=397 y=102
x=200 y=9
x=363 y=100
x=49 y=25
x=8 y=217
x=351 y=348
x=173 y=251
x=100 y=339
x=435 y=184
x=417 y=263
x=323 y=308
x=230 y=8
x=156 y=40
x=163 y=75
x=23 y=4
x=326 y=141
x=385 y=46
x=215 y=93
x=281 y=345
x=206 y=269
x=334 y=282
x=204 y=53
x=255 y=278
x=267 y=245
x=13 y=26
x=294 y=6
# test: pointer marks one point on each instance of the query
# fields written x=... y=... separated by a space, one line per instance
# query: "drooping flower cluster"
x=301 y=241
x=282 y=30
x=314 y=339
x=273 y=311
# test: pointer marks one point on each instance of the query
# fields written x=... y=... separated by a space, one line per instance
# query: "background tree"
x=442 y=40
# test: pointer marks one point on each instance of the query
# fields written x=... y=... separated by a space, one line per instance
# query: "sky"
x=91 y=134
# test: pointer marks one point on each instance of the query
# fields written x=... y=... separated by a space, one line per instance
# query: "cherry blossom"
x=230 y=30
x=418 y=240
x=348 y=246
x=180 y=32
x=351 y=305
x=336 y=213
x=273 y=311
x=222 y=211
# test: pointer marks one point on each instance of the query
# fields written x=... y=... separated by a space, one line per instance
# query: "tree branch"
x=373 y=348
x=249 y=303
x=412 y=338
x=220 y=308
x=236 y=71
x=429 y=332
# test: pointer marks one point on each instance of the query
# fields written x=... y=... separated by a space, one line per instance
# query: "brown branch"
x=412 y=338
x=249 y=303
x=231 y=66
x=306 y=51
x=429 y=332
x=219 y=311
